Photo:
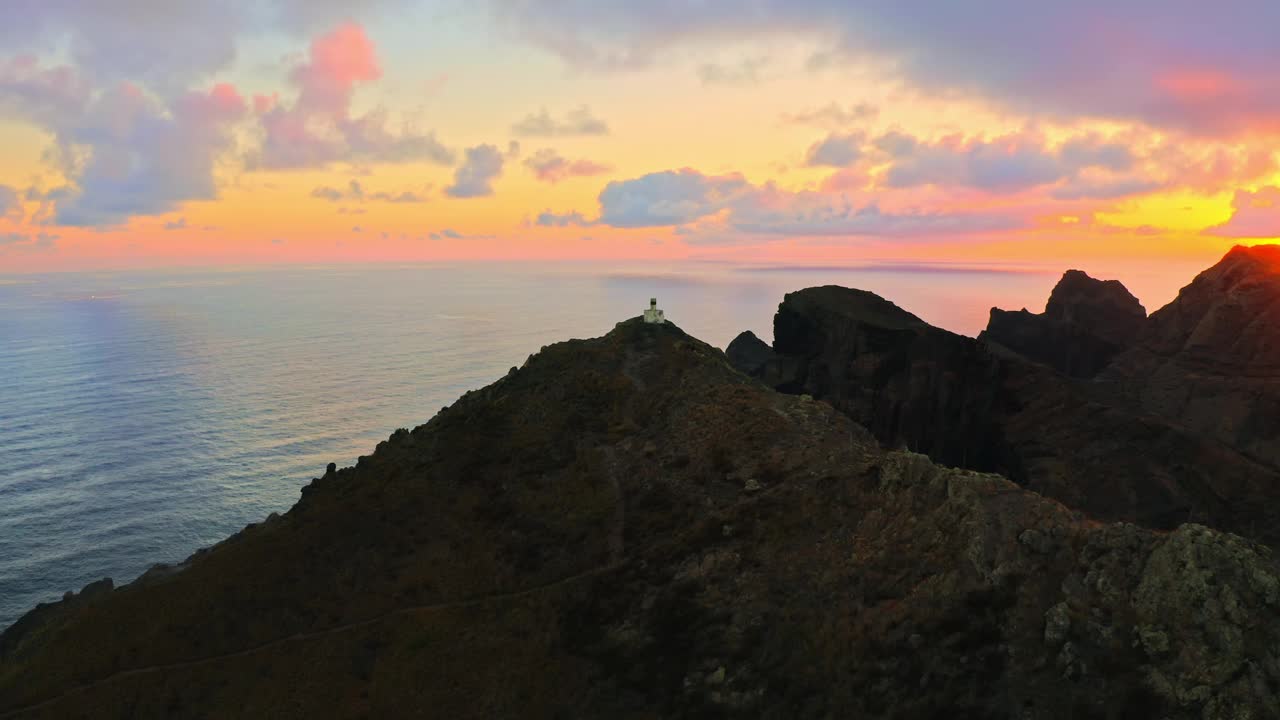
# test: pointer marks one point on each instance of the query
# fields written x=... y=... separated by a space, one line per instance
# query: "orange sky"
x=392 y=133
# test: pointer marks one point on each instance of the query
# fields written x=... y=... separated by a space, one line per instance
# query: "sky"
x=148 y=133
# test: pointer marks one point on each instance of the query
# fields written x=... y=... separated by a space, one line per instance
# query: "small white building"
x=653 y=314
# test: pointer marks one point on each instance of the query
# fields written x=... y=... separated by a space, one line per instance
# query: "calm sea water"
x=145 y=415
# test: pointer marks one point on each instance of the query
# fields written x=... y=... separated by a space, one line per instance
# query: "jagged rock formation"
x=1210 y=360
x=1085 y=324
x=951 y=397
x=627 y=527
x=749 y=353
x=1104 y=308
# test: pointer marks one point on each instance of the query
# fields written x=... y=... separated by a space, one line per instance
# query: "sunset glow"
x=288 y=132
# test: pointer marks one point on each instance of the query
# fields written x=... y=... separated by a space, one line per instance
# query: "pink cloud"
x=263 y=104
x=1085 y=166
x=1181 y=65
x=1257 y=215
x=222 y=104
x=549 y=166
x=337 y=62
x=1199 y=85
x=42 y=95
x=1210 y=169
x=1217 y=101
x=845 y=180
x=318 y=127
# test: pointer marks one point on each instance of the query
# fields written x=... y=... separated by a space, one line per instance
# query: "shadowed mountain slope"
x=1210 y=360
x=954 y=399
x=627 y=527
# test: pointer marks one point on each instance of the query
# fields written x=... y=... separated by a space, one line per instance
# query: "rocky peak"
x=843 y=344
x=1228 y=318
x=1085 y=324
x=749 y=353
x=1104 y=308
x=1210 y=360
x=1264 y=257
x=817 y=309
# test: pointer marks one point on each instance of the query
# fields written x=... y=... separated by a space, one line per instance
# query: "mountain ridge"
x=968 y=403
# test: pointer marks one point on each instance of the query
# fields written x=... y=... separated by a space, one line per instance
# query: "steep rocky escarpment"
x=862 y=354
x=1210 y=360
x=1104 y=308
x=749 y=353
x=627 y=527
x=1085 y=324
x=954 y=399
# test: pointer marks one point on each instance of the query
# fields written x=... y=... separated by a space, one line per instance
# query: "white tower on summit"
x=653 y=314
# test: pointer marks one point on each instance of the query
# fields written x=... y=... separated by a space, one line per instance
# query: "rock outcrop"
x=627 y=527
x=749 y=353
x=1104 y=308
x=1210 y=360
x=1085 y=324
x=951 y=397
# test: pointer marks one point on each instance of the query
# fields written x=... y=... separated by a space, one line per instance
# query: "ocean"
x=145 y=415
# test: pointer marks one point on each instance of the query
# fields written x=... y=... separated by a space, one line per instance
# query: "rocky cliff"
x=1085 y=324
x=955 y=399
x=1210 y=360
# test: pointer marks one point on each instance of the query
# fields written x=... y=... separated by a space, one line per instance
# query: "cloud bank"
x=143 y=146
x=727 y=209
x=130 y=155
x=1176 y=64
